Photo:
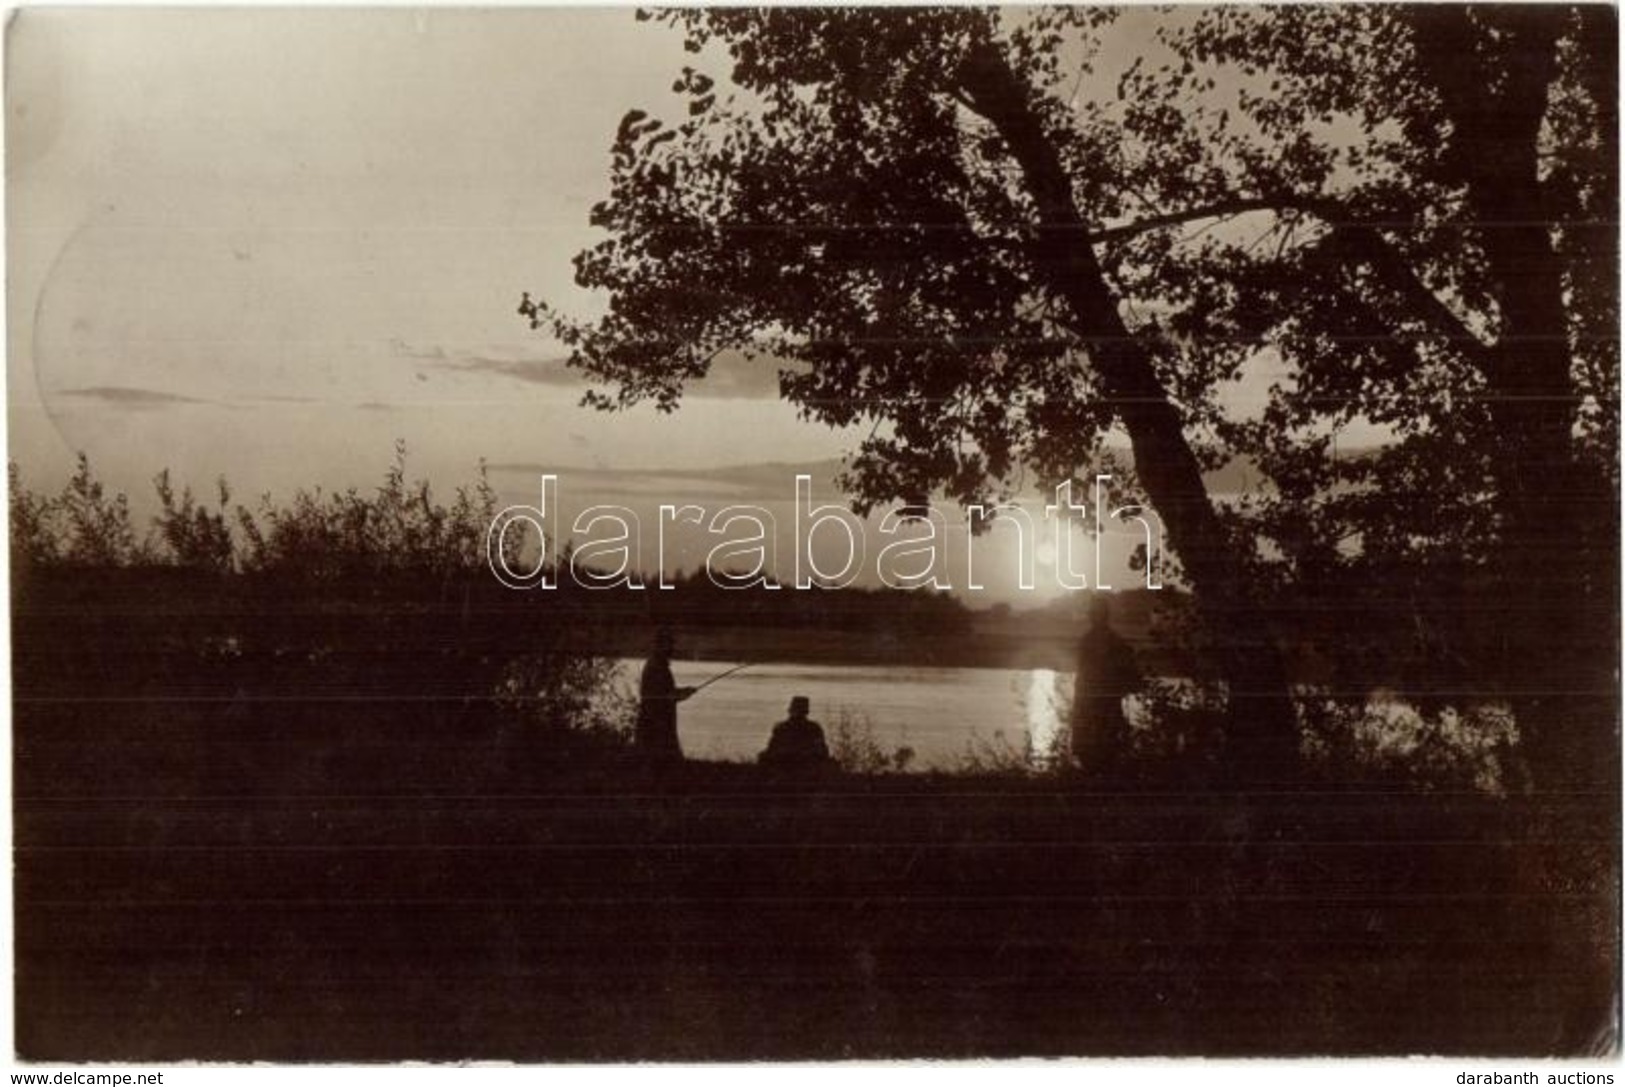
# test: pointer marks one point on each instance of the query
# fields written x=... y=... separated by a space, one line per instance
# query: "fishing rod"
x=721 y=675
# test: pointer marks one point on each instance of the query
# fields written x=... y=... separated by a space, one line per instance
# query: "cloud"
x=407 y=351
x=551 y=372
x=732 y=376
x=737 y=483
x=735 y=376
x=125 y=396
x=519 y=365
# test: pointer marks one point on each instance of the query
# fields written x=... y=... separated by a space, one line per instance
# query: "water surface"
x=939 y=712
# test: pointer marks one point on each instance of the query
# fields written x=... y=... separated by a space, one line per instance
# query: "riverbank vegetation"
x=306 y=783
x=388 y=595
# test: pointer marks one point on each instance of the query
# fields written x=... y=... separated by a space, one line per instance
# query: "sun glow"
x=1043 y=716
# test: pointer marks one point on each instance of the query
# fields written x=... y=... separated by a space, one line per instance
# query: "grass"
x=284 y=829
x=853 y=746
x=373 y=889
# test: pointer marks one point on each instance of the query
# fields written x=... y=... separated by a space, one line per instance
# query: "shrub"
x=853 y=746
x=399 y=532
x=997 y=756
x=383 y=598
x=1386 y=738
x=34 y=534
x=1176 y=721
x=193 y=536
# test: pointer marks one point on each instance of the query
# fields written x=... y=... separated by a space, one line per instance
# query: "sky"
x=266 y=244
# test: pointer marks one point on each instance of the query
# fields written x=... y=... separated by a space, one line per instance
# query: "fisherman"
x=1106 y=674
x=797 y=742
x=658 y=695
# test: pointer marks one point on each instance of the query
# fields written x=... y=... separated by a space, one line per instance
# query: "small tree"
x=97 y=531
x=196 y=537
x=34 y=540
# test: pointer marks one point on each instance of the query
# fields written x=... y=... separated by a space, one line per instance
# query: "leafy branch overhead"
x=1002 y=240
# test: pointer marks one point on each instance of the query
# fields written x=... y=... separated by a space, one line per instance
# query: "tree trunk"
x=1494 y=90
x=1263 y=734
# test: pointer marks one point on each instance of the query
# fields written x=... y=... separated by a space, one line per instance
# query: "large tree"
x=1436 y=197
x=1406 y=213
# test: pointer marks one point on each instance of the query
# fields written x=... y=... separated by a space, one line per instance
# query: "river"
x=941 y=713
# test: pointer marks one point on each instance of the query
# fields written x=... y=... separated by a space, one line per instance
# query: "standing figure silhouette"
x=1106 y=674
x=658 y=695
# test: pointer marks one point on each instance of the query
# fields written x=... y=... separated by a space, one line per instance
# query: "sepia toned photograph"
x=716 y=534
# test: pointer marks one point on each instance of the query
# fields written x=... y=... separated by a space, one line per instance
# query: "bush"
x=1385 y=738
x=83 y=527
x=1175 y=721
x=382 y=600
x=997 y=756
x=573 y=699
x=34 y=537
x=853 y=746
x=193 y=536
x=399 y=532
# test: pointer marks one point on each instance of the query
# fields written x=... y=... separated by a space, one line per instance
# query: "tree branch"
x=1222 y=209
x=1367 y=245
x=1356 y=239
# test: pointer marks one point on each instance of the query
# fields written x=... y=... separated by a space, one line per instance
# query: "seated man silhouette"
x=797 y=742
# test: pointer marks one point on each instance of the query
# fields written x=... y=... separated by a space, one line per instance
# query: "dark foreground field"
x=261 y=827
x=365 y=891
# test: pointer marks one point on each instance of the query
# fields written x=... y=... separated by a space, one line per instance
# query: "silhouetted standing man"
x=1107 y=673
x=658 y=695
